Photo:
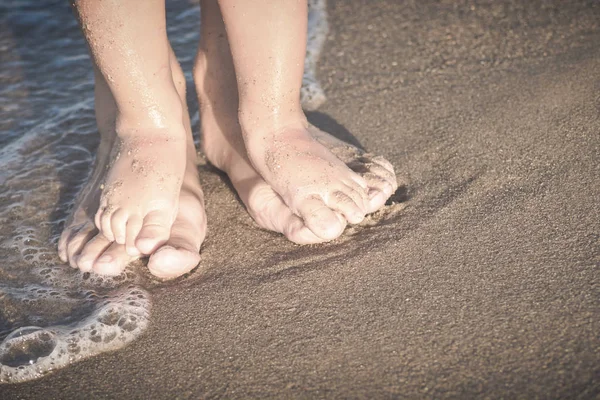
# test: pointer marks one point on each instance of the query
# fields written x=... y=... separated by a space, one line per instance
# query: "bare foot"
x=85 y=248
x=146 y=164
x=317 y=182
x=296 y=161
x=140 y=192
x=377 y=172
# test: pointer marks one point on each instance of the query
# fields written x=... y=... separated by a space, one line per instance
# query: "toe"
x=384 y=173
x=359 y=196
x=170 y=262
x=377 y=199
x=77 y=242
x=379 y=191
x=347 y=206
x=384 y=163
x=113 y=261
x=357 y=192
x=91 y=251
x=270 y=212
x=296 y=231
x=320 y=219
x=155 y=231
x=98 y=218
x=105 y=226
x=374 y=165
x=181 y=253
x=134 y=225
x=278 y=217
x=359 y=180
x=64 y=240
x=118 y=224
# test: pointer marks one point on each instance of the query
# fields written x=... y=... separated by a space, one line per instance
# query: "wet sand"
x=481 y=279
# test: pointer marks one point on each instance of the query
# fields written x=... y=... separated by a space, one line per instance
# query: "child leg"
x=83 y=247
x=140 y=188
x=268 y=43
x=222 y=141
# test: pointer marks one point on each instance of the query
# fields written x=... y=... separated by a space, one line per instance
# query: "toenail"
x=373 y=193
x=105 y=258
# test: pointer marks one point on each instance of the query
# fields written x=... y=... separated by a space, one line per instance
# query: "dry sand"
x=481 y=281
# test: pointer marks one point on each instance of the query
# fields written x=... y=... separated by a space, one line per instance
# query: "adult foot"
x=84 y=247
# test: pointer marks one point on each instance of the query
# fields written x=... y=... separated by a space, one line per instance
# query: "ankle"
x=267 y=124
x=215 y=82
x=166 y=120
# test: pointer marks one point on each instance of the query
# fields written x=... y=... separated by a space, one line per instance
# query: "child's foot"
x=140 y=191
x=375 y=170
x=84 y=247
x=299 y=163
x=308 y=190
x=140 y=186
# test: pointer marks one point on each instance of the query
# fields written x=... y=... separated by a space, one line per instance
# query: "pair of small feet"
x=144 y=197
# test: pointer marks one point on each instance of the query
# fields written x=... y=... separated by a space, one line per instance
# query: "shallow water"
x=50 y=314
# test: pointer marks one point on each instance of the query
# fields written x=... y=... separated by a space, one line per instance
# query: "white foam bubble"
x=30 y=352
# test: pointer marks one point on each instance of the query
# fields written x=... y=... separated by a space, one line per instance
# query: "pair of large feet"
x=144 y=197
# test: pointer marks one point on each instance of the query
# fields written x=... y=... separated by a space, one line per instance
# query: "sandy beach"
x=480 y=279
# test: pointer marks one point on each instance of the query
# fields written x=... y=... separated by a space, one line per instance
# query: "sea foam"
x=312 y=94
x=116 y=320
